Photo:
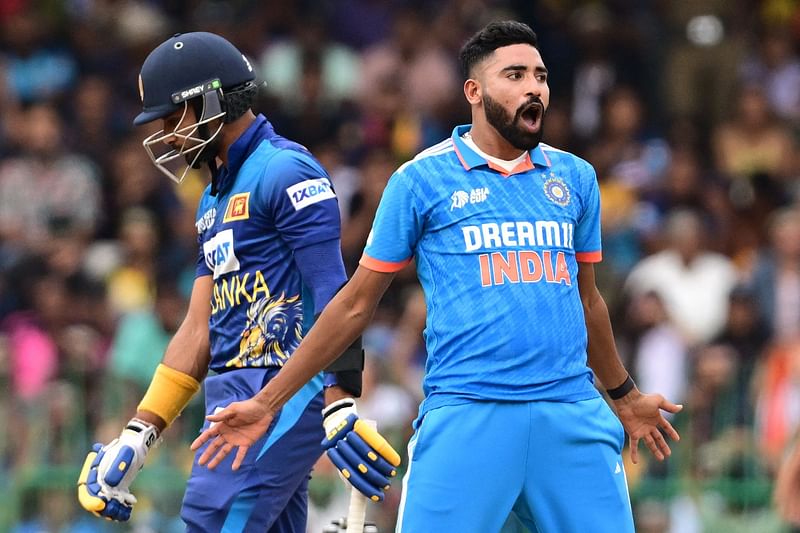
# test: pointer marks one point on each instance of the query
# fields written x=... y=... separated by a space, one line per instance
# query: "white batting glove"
x=362 y=456
x=108 y=471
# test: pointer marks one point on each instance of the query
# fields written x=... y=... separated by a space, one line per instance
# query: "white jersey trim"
x=437 y=149
x=552 y=148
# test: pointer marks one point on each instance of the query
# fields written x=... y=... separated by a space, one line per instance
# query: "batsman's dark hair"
x=495 y=35
x=238 y=100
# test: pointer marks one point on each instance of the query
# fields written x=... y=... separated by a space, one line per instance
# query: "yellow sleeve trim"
x=169 y=392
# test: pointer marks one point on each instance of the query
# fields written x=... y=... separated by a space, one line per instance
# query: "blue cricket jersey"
x=273 y=198
x=496 y=254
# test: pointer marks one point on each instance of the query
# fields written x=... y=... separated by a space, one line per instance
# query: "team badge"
x=238 y=208
x=556 y=191
x=272 y=333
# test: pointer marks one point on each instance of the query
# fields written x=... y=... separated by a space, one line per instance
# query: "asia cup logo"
x=557 y=191
x=273 y=331
x=459 y=199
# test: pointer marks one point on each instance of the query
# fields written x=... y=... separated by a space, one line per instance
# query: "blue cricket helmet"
x=187 y=65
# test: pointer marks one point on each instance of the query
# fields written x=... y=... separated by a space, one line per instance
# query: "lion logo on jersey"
x=273 y=331
x=459 y=199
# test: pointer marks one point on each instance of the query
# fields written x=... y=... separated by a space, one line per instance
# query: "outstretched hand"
x=239 y=425
x=642 y=419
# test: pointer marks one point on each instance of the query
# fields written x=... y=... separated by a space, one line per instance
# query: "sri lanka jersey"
x=273 y=198
x=496 y=254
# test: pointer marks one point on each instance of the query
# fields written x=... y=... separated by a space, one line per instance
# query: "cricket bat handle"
x=357 y=511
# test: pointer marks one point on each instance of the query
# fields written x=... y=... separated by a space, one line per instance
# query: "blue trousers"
x=556 y=466
x=269 y=492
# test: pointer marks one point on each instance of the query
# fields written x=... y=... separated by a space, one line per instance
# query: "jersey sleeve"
x=322 y=269
x=588 y=248
x=396 y=229
x=301 y=199
x=201 y=267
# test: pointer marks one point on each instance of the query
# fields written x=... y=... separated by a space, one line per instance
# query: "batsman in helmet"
x=268 y=261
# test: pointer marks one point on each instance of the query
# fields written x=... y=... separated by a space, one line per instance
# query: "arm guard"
x=346 y=371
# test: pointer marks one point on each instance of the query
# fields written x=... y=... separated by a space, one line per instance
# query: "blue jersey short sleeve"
x=587 y=231
x=301 y=199
x=497 y=256
x=396 y=228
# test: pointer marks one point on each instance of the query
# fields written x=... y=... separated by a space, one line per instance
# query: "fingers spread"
x=221 y=455
x=662 y=444
x=221 y=416
x=651 y=444
x=209 y=452
x=240 y=454
x=204 y=436
x=635 y=450
x=667 y=427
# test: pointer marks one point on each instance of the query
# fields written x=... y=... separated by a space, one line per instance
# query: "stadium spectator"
x=776 y=66
x=661 y=355
x=623 y=151
x=692 y=281
x=405 y=80
x=706 y=40
x=776 y=275
x=46 y=189
x=753 y=142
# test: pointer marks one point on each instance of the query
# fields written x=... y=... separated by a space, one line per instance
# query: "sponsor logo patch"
x=238 y=208
x=220 y=254
x=309 y=192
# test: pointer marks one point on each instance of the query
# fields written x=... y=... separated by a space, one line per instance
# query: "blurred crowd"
x=688 y=109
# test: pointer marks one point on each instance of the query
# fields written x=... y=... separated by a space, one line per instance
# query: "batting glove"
x=109 y=470
x=364 y=458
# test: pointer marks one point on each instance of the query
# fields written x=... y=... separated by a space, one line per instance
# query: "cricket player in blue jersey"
x=269 y=260
x=504 y=231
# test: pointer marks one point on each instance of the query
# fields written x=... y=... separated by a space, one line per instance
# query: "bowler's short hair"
x=495 y=35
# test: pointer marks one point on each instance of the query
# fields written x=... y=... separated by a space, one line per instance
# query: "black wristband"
x=622 y=390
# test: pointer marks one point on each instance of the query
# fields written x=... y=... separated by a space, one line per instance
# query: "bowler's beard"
x=509 y=127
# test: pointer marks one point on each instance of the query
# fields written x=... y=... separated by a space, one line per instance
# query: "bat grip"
x=357 y=510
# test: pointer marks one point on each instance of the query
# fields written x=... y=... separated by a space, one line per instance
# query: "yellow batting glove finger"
x=378 y=443
x=93 y=504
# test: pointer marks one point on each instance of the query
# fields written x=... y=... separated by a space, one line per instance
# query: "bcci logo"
x=557 y=191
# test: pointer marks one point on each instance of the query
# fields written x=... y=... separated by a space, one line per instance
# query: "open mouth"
x=531 y=117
